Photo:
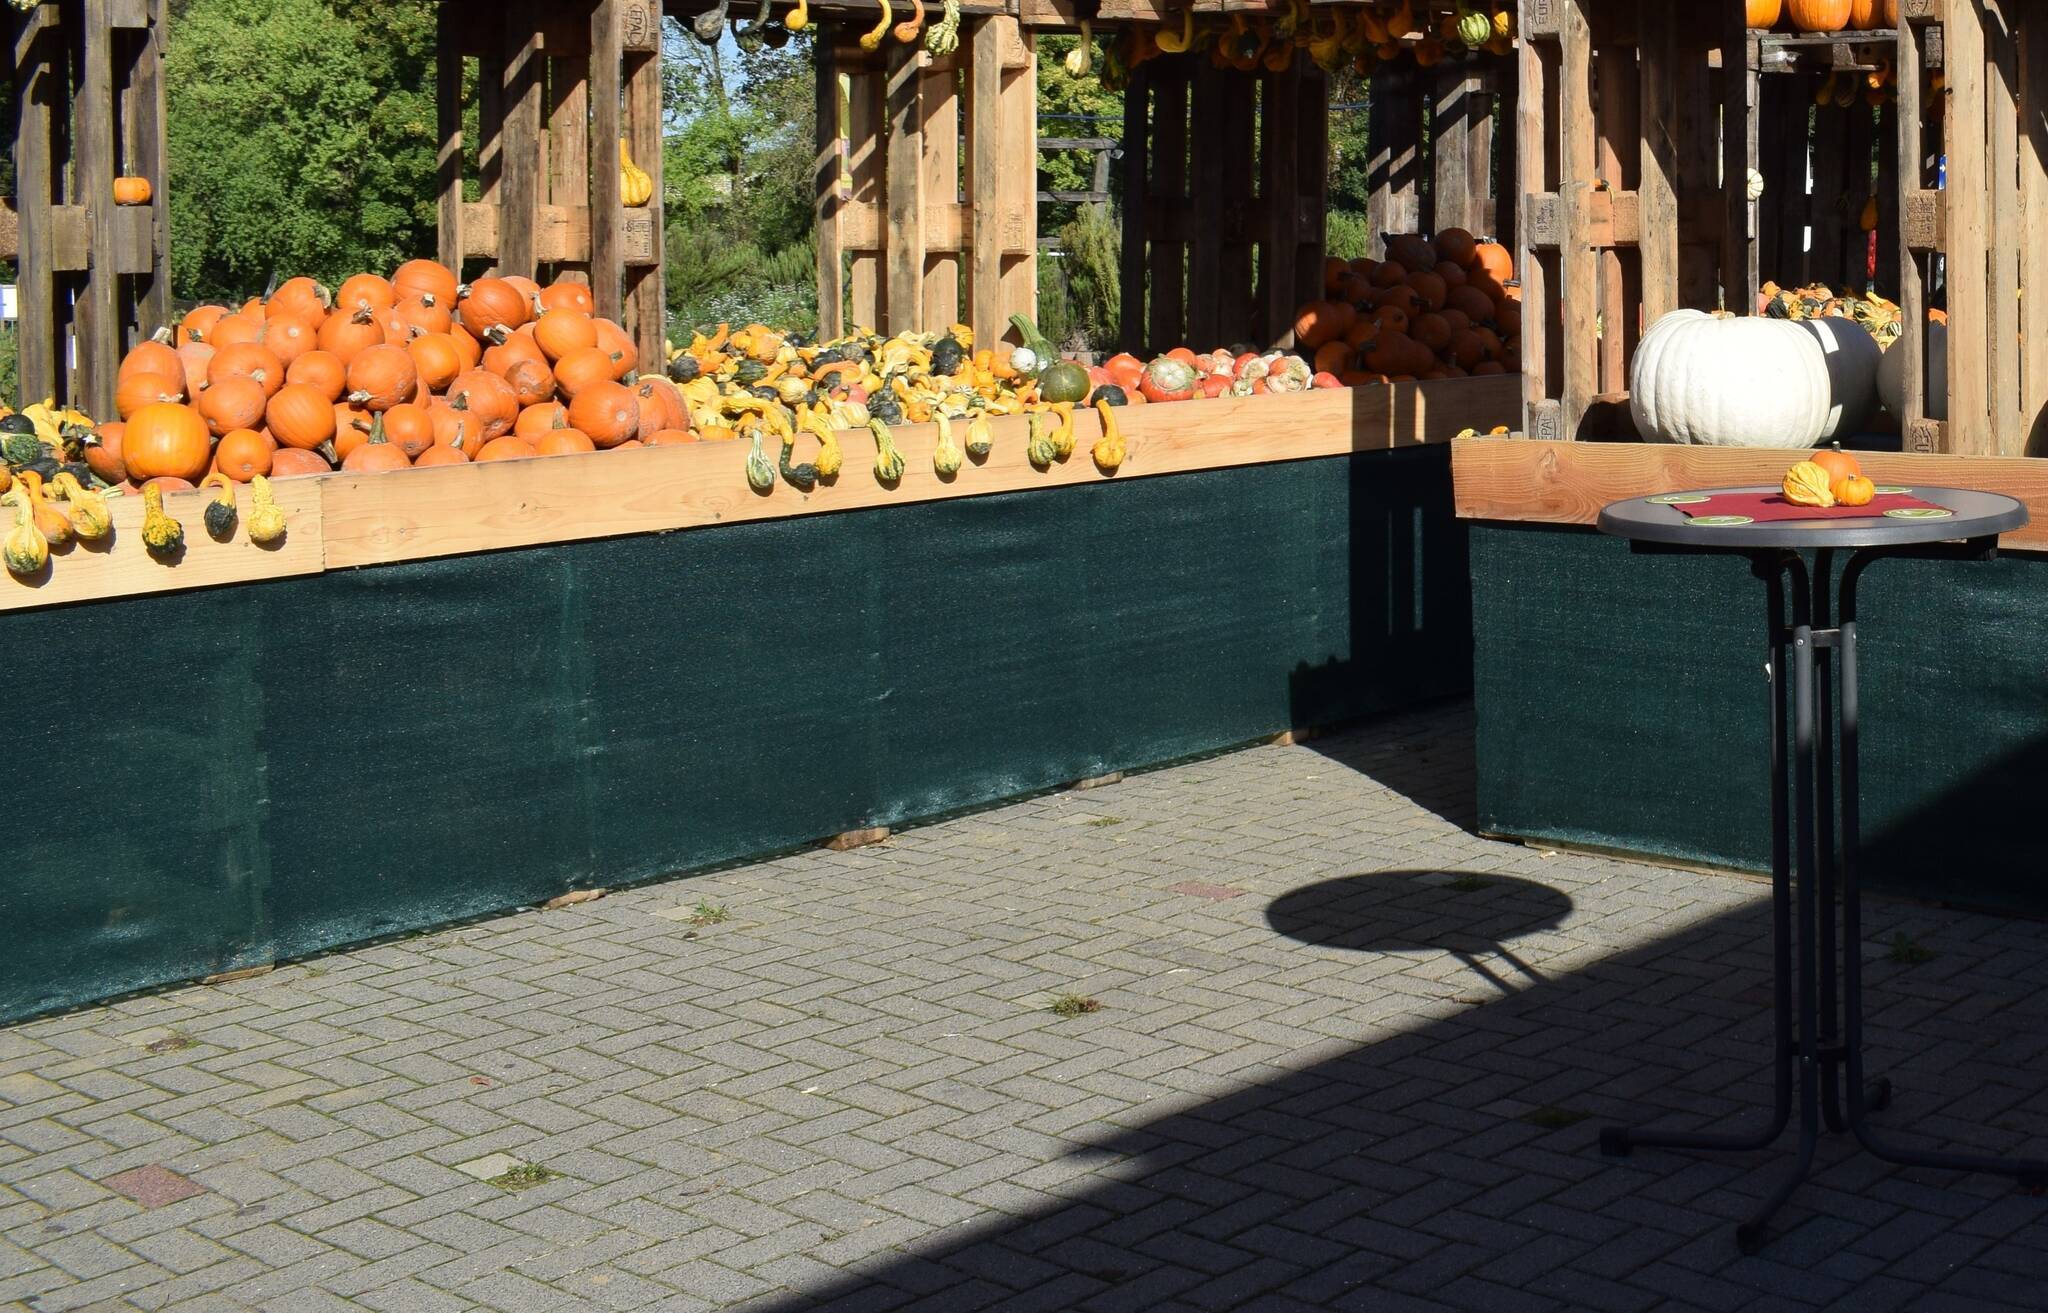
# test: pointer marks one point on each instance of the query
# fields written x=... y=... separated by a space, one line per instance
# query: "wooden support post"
x=607 y=254
x=98 y=316
x=940 y=124
x=1394 y=175
x=1617 y=151
x=1917 y=436
x=568 y=103
x=2033 y=185
x=1205 y=189
x=646 y=295
x=904 y=266
x=866 y=117
x=147 y=157
x=985 y=146
x=828 y=190
x=1578 y=266
x=1535 y=176
x=2003 y=219
x=1742 y=94
x=1167 y=194
x=37 y=83
x=1234 y=289
x=1459 y=109
x=1310 y=138
x=1137 y=133
x=1280 y=181
x=519 y=189
x=1970 y=430
x=449 y=21
x=1657 y=185
x=1017 y=189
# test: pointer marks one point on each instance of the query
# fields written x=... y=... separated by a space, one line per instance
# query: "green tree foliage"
x=301 y=137
x=1060 y=94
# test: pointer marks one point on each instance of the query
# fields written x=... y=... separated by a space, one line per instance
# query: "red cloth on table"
x=1769 y=507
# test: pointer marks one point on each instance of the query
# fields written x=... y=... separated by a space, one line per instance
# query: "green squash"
x=1063 y=381
x=19 y=448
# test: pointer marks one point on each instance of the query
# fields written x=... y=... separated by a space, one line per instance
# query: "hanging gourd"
x=160 y=533
x=221 y=514
x=26 y=549
x=90 y=519
x=708 y=26
x=1473 y=28
x=944 y=36
x=636 y=187
x=872 y=38
x=266 y=517
x=799 y=18
x=1082 y=57
x=907 y=30
x=1174 y=43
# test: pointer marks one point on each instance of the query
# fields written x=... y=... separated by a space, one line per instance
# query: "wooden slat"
x=1912 y=295
x=1454 y=202
x=904 y=195
x=1166 y=193
x=1137 y=214
x=1234 y=283
x=490 y=111
x=1279 y=167
x=985 y=156
x=1205 y=191
x=124 y=568
x=947 y=228
x=568 y=139
x=1888 y=207
x=1507 y=146
x=1016 y=199
x=147 y=156
x=1617 y=150
x=1309 y=136
x=379 y=519
x=1657 y=165
x=1394 y=174
x=1970 y=430
x=1831 y=191
x=2001 y=335
x=866 y=116
x=2033 y=252
x=646 y=293
x=98 y=324
x=520 y=179
x=1537 y=70
x=1578 y=268
x=940 y=134
x=39 y=85
x=828 y=189
x=561 y=234
x=449 y=21
x=1518 y=480
x=607 y=257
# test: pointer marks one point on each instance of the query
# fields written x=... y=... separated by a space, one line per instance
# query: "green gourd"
x=888 y=460
x=1475 y=29
x=1064 y=381
x=221 y=514
x=801 y=477
x=979 y=436
x=760 y=474
x=946 y=456
x=1041 y=452
x=25 y=549
x=20 y=449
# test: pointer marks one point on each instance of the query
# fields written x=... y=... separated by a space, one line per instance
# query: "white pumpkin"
x=1852 y=357
x=1891 y=375
x=1730 y=382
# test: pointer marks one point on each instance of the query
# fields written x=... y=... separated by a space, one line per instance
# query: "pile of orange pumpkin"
x=382 y=374
x=1446 y=307
x=1824 y=15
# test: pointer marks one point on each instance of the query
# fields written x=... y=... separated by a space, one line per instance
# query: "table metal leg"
x=1824 y=836
x=1617 y=1141
x=2032 y=1174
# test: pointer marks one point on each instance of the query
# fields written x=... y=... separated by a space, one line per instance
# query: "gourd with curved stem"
x=49 y=520
x=888 y=460
x=872 y=38
x=944 y=36
x=801 y=477
x=266 y=517
x=221 y=514
x=760 y=474
x=160 y=533
x=830 y=458
x=907 y=30
x=1109 y=450
x=751 y=37
x=1175 y=43
x=26 y=550
x=798 y=18
x=1062 y=438
x=90 y=519
x=636 y=186
x=1082 y=57
x=946 y=456
x=1808 y=484
x=1040 y=451
x=707 y=26
x=979 y=436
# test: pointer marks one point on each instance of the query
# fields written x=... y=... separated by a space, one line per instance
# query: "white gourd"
x=1891 y=375
x=1729 y=382
x=1852 y=358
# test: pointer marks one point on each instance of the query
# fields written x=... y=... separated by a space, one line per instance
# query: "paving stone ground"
x=1348 y=1056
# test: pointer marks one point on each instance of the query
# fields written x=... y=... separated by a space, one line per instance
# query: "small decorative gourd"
x=760 y=474
x=25 y=549
x=946 y=456
x=1078 y=61
x=49 y=520
x=1063 y=436
x=979 y=436
x=1806 y=484
x=872 y=38
x=888 y=460
x=90 y=519
x=1109 y=448
x=1474 y=28
x=1040 y=450
x=266 y=517
x=160 y=533
x=829 y=456
x=943 y=38
x=221 y=514
x=801 y=477
x=636 y=187
x=1853 y=490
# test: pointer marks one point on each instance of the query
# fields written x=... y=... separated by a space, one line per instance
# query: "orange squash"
x=320 y=370
x=300 y=416
x=608 y=412
x=291 y=463
x=1819 y=15
x=165 y=440
x=243 y=454
x=138 y=390
x=425 y=278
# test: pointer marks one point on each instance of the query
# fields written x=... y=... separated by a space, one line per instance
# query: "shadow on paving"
x=1451 y=1163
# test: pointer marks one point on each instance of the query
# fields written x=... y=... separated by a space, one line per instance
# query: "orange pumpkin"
x=561 y=331
x=425 y=278
x=198 y=324
x=300 y=416
x=563 y=442
x=149 y=357
x=290 y=336
x=236 y=329
x=376 y=453
x=382 y=377
x=248 y=360
x=365 y=292
x=423 y=314
x=455 y=428
x=608 y=412
x=565 y=295
x=488 y=397
x=195 y=358
x=320 y=370
x=440 y=455
x=347 y=334
x=1819 y=15
x=519 y=348
x=292 y=463
x=670 y=438
x=1322 y=321
x=532 y=383
x=492 y=308
x=1495 y=261
x=506 y=449
x=1838 y=463
x=165 y=440
x=1764 y=14
x=235 y=402
x=436 y=359
x=138 y=390
x=624 y=351
x=661 y=406
x=131 y=190
x=300 y=298
x=1871 y=15
x=1853 y=490
x=535 y=421
x=582 y=370
x=243 y=454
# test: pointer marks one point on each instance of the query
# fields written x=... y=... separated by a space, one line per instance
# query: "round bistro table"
x=1825 y=1051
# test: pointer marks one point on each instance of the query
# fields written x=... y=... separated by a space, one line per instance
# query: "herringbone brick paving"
x=1350 y=1056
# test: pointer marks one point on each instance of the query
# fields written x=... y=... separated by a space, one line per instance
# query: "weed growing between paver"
x=1073 y=1005
x=524 y=1177
x=1908 y=951
x=705 y=913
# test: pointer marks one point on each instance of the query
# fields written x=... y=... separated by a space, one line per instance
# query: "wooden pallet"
x=558 y=85
x=1207 y=211
x=94 y=276
x=926 y=199
x=1623 y=218
x=1815 y=185
x=1431 y=143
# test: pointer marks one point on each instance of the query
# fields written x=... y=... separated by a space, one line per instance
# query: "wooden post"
x=568 y=138
x=1280 y=184
x=986 y=142
x=1205 y=252
x=2005 y=229
x=607 y=258
x=1537 y=88
x=1917 y=434
x=1167 y=196
x=903 y=268
x=449 y=20
x=939 y=128
x=98 y=320
x=1393 y=204
x=147 y=157
x=1578 y=267
x=1657 y=187
x=2033 y=184
x=828 y=192
x=38 y=82
x=1970 y=430
x=1137 y=211
x=519 y=188
x=646 y=295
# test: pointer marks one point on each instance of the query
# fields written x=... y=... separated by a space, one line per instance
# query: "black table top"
x=1973 y=515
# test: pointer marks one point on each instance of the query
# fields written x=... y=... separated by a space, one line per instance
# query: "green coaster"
x=1722 y=521
x=1919 y=513
x=1678 y=499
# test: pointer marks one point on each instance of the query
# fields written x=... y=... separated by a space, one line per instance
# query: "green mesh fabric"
x=1621 y=704
x=279 y=768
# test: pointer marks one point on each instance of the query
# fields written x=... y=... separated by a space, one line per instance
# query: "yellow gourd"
x=872 y=39
x=1869 y=220
x=26 y=550
x=49 y=520
x=1109 y=448
x=266 y=517
x=89 y=516
x=946 y=456
x=160 y=533
x=1174 y=43
x=1806 y=484
x=1082 y=57
x=1062 y=438
x=636 y=187
x=799 y=18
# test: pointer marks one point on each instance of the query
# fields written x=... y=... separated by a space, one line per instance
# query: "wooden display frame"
x=1556 y=482
x=344 y=520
